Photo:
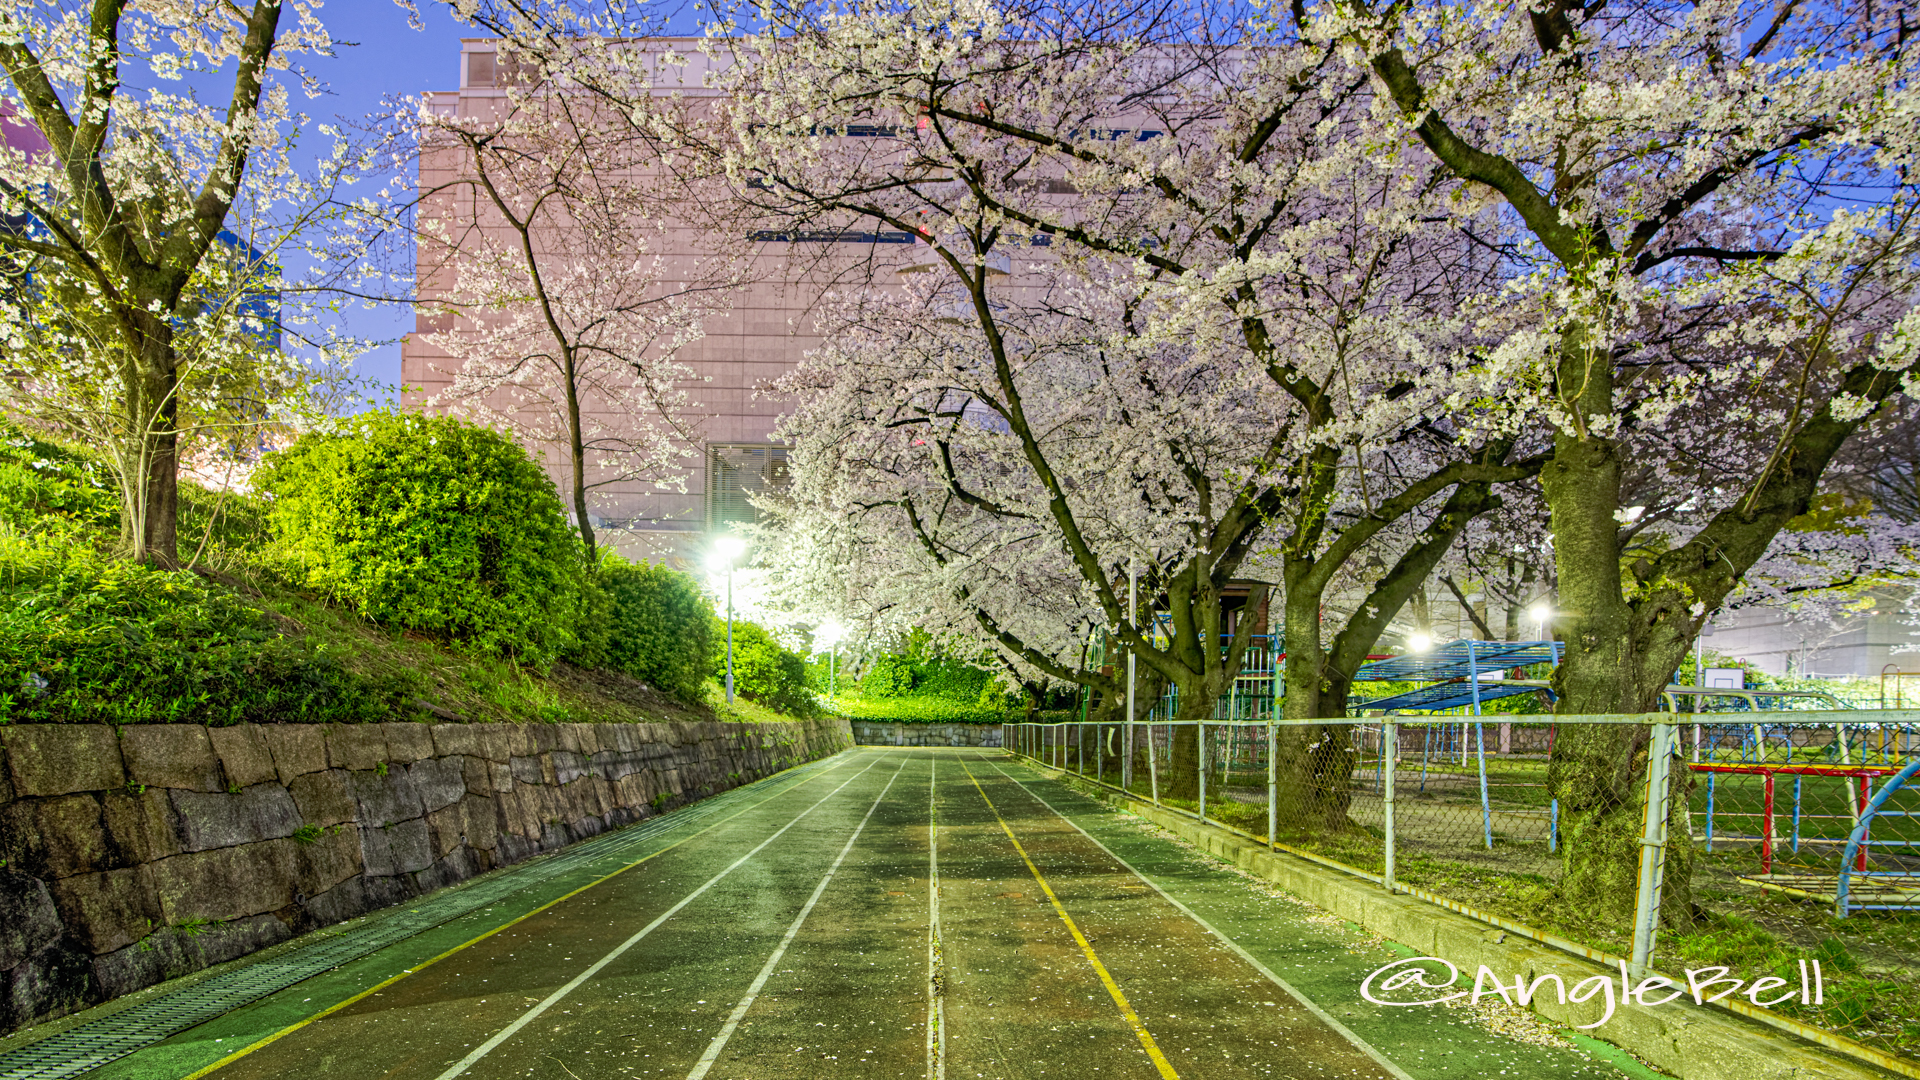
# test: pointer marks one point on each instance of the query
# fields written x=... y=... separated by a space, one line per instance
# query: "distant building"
x=762 y=338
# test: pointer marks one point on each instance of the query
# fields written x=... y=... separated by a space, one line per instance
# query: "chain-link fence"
x=1753 y=841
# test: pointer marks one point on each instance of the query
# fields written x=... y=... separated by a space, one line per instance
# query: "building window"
x=736 y=471
x=480 y=70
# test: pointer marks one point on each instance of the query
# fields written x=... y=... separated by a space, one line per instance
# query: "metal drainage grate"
x=90 y=1045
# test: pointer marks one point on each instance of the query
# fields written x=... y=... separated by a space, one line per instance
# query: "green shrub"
x=890 y=676
x=47 y=487
x=920 y=710
x=764 y=670
x=430 y=524
x=89 y=639
x=659 y=627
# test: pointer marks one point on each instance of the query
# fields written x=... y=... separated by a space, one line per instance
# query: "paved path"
x=827 y=930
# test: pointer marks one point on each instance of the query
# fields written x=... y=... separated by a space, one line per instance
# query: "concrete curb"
x=1687 y=1041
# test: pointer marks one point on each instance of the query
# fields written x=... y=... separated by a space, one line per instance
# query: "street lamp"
x=726 y=549
x=1419 y=641
x=1541 y=612
x=828 y=634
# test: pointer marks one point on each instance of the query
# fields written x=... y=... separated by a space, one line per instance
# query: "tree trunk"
x=154 y=416
x=1598 y=771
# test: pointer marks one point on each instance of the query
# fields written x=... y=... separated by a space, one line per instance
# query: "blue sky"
x=378 y=55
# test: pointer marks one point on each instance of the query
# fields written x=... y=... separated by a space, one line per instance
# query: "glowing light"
x=726 y=548
x=1419 y=641
x=1540 y=612
x=828 y=634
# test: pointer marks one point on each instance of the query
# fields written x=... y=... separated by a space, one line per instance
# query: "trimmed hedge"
x=763 y=670
x=427 y=523
x=659 y=627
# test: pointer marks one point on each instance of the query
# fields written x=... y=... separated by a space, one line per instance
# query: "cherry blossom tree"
x=145 y=231
x=1711 y=195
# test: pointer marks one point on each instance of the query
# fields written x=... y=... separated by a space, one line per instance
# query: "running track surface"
x=898 y=913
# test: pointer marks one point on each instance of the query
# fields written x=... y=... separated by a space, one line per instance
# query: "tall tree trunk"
x=1598 y=771
x=155 y=417
x=576 y=446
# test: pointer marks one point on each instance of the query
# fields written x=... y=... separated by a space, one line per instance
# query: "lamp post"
x=726 y=549
x=829 y=634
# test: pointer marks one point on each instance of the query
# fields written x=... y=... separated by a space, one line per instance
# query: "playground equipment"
x=1459 y=674
x=1902 y=885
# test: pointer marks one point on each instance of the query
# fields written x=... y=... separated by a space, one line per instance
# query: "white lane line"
x=554 y=998
x=719 y=1042
x=1347 y=1033
x=936 y=978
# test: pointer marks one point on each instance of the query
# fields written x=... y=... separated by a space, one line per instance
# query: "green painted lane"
x=850 y=997
x=1020 y=998
x=794 y=939
x=1323 y=958
x=1209 y=1013
x=195 y=1050
x=510 y=1003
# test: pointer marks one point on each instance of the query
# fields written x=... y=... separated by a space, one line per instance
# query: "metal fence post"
x=1273 y=789
x=1653 y=844
x=1200 y=740
x=1153 y=768
x=1389 y=752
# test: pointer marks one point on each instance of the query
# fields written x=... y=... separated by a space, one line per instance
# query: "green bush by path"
x=659 y=627
x=918 y=710
x=763 y=669
x=426 y=523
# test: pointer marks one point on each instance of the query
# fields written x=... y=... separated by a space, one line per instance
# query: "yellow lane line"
x=371 y=990
x=1113 y=988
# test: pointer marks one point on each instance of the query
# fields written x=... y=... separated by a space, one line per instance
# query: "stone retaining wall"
x=871 y=733
x=138 y=855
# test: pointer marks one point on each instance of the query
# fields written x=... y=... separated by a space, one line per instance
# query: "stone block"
x=356 y=746
x=496 y=741
x=520 y=740
x=325 y=798
x=171 y=756
x=631 y=790
x=243 y=753
x=546 y=737
x=397 y=849
x=447 y=829
x=526 y=770
x=29 y=921
x=215 y=820
x=224 y=883
x=408 y=743
x=6 y=778
x=440 y=782
x=342 y=902
x=140 y=828
x=384 y=800
x=482 y=821
x=297 y=749
x=52 y=982
x=333 y=857
x=568 y=765
x=55 y=838
x=478 y=774
x=59 y=759
x=456 y=740
x=501 y=774
x=106 y=911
